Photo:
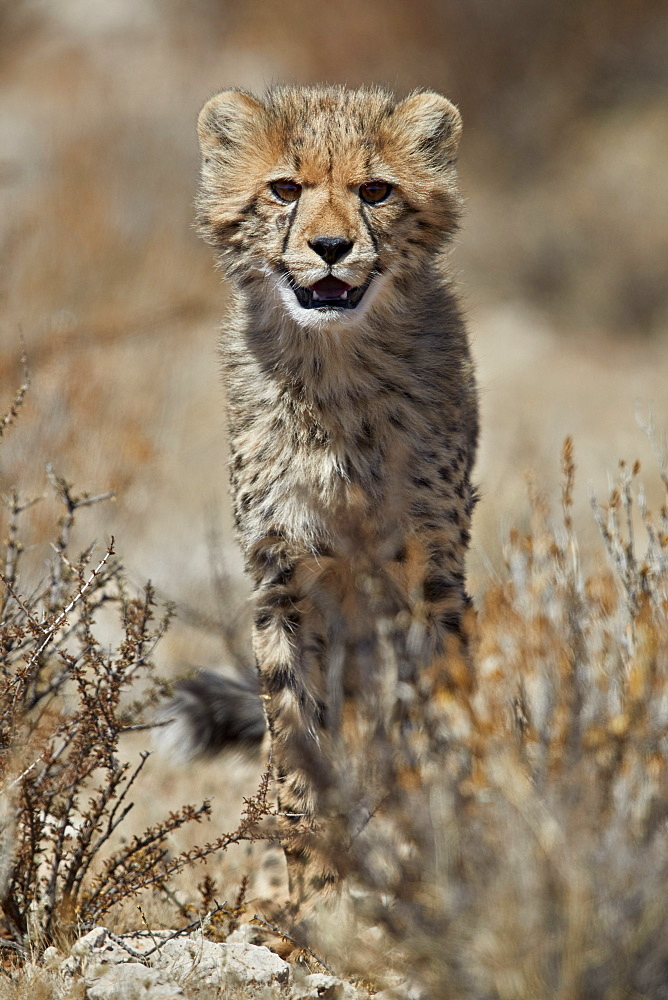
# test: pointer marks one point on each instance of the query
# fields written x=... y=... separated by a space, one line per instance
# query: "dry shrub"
x=506 y=840
x=67 y=695
x=530 y=859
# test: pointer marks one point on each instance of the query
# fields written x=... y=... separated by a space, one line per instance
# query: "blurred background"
x=562 y=259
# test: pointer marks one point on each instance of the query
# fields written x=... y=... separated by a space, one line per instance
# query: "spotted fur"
x=352 y=431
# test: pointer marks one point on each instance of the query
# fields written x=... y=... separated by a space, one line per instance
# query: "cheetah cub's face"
x=326 y=202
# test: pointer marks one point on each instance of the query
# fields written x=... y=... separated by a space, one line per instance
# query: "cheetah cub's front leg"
x=352 y=410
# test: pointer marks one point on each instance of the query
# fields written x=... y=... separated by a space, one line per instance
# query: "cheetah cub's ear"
x=432 y=125
x=228 y=119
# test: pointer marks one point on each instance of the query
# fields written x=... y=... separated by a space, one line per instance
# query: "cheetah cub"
x=351 y=403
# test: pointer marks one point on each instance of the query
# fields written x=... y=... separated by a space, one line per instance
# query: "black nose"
x=330 y=248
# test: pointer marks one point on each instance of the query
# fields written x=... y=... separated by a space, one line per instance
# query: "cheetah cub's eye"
x=375 y=192
x=286 y=190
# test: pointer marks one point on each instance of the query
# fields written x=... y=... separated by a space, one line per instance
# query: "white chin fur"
x=319 y=318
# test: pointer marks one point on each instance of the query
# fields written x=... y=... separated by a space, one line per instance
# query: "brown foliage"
x=65 y=701
x=531 y=859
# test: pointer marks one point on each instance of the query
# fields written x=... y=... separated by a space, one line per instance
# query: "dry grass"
x=66 y=700
x=531 y=858
x=563 y=250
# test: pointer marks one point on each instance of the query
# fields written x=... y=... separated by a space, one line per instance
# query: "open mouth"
x=330 y=293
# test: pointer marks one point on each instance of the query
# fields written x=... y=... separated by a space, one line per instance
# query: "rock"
x=217 y=965
x=95 y=939
x=250 y=963
x=325 y=987
x=401 y=990
x=191 y=961
x=192 y=958
x=52 y=958
x=245 y=934
x=132 y=981
x=91 y=951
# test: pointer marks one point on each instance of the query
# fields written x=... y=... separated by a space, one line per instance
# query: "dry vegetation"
x=546 y=846
x=530 y=860
x=66 y=698
x=542 y=839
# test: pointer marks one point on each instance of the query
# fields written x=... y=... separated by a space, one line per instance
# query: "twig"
x=11 y=414
x=62 y=617
x=142 y=955
x=144 y=726
x=22 y=775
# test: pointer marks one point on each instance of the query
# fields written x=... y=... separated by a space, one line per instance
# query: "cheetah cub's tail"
x=210 y=713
